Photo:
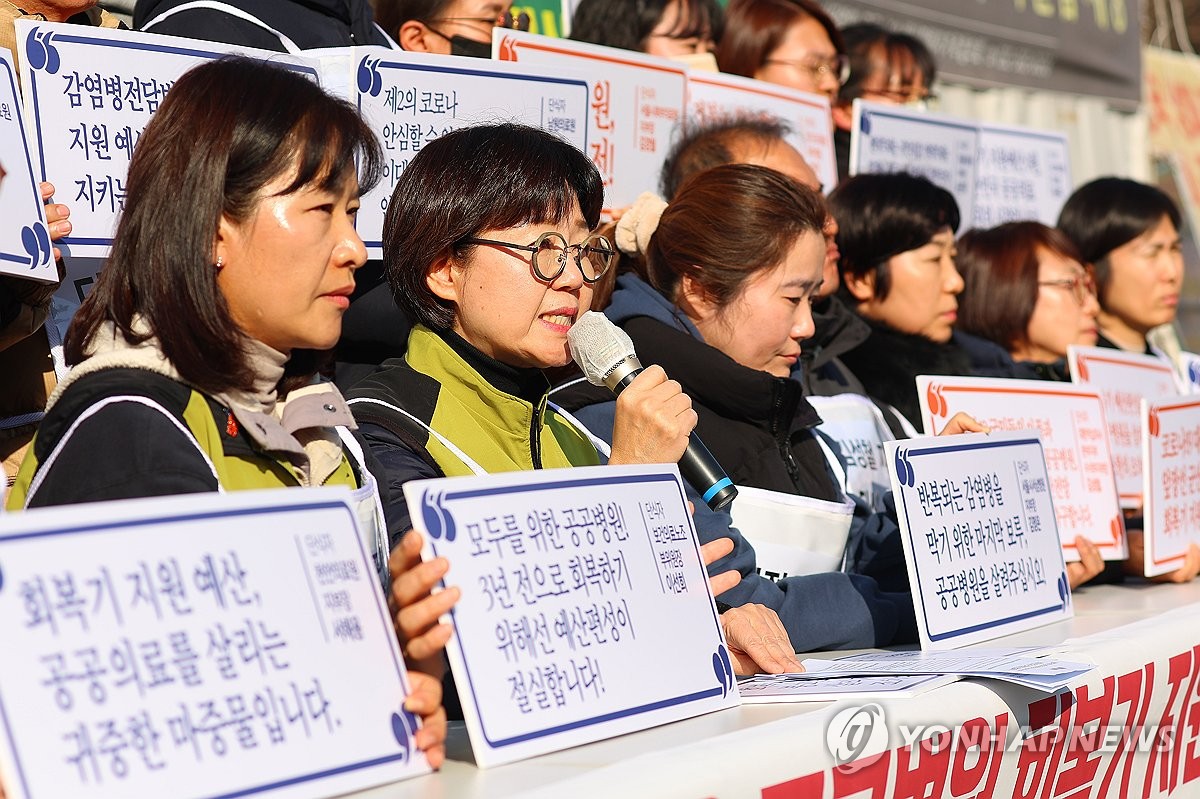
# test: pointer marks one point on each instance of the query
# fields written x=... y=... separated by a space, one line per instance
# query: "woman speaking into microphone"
x=489 y=248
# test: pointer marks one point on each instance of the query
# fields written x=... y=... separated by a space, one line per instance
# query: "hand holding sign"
x=415 y=609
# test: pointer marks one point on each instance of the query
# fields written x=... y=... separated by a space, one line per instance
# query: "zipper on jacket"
x=780 y=434
x=535 y=448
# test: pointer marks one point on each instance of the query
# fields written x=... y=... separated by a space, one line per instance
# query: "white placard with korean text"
x=637 y=101
x=977 y=524
x=712 y=96
x=89 y=93
x=585 y=611
x=409 y=99
x=217 y=644
x=1171 y=449
x=25 y=248
x=1070 y=421
x=858 y=427
x=1123 y=379
x=943 y=149
x=1020 y=174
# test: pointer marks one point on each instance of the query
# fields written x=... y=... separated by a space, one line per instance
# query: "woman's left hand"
x=425 y=701
x=962 y=423
x=1089 y=565
x=56 y=216
x=415 y=609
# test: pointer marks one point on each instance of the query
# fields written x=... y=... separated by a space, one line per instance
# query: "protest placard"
x=25 y=248
x=636 y=103
x=409 y=99
x=89 y=94
x=1123 y=379
x=977 y=525
x=1171 y=453
x=1070 y=421
x=585 y=611
x=857 y=426
x=217 y=644
x=943 y=149
x=712 y=96
x=1020 y=174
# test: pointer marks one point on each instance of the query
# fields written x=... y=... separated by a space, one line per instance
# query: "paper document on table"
x=761 y=689
x=997 y=664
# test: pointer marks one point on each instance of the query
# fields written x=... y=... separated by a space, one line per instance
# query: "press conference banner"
x=1088 y=47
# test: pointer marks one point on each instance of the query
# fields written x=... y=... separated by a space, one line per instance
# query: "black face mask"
x=461 y=45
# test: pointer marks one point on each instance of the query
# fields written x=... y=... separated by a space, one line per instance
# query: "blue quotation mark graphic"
x=1194 y=374
x=35 y=239
x=904 y=469
x=369 y=80
x=438 y=520
x=1064 y=590
x=723 y=669
x=404 y=727
x=41 y=53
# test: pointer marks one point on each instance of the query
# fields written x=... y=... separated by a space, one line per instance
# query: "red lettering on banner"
x=927 y=778
x=1191 y=765
x=1131 y=690
x=873 y=775
x=1081 y=745
x=800 y=788
x=1178 y=669
x=977 y=736
x=1040 y=751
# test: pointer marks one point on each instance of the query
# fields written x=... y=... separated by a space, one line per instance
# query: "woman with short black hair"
x=668 y=28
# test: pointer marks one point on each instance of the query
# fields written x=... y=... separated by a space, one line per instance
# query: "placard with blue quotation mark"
x=208 y=645
x=585 y=611
x=25 y=248
x=89 y=93
x=980 y=540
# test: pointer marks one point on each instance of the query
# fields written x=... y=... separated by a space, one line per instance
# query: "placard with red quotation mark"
x=205 y=645
x=1070 y=421
x=712 y=96
x=1171 y=449
x=89 y=93
x=25 y=248
x=585 y=611
x=980 y=541
x=1123 y=380
x=637 y=102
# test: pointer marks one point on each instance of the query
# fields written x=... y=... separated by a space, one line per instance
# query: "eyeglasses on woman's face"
x=819 y=68
x=593 y=257
x=506 y=20
x=1082 y=285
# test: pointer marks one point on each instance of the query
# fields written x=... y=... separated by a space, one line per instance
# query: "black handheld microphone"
x=605 y=354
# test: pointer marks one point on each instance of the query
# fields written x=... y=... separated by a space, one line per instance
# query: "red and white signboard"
x=1123 y=380
x=1171 y=450
x=1070 y=420
x=637 y=102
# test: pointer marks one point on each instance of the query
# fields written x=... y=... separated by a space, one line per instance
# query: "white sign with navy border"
x=586 y=611
x=89 y=93
x=1021 y=173
x=980 y=541
x=942 y=149
x=409 y=99
x=25 y=248
x=205 y=645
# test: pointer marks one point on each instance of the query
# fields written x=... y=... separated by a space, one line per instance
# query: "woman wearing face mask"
x=793 y=43
x=489 y=244
x=447 y=27
x=681 y=29
x=1129 y=233
x=719 y=296
x=896 y=238
x=194 y=357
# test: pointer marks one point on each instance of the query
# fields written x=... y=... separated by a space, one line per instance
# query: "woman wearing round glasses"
x=1027 y=290
x=788 y=42
x=488 y=245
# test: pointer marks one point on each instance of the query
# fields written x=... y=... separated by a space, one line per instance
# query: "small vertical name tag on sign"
x=575 y=583
x=25 y=248
x=1123 y=379
x=1171 y=451
x=977 y=525
x=234 y=644
x=409 y=99
x=637 y=101
x=1070 y=422
x=714 y=96
x=90 y=92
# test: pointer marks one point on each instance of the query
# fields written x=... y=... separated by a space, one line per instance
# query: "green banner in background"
x=545 y=16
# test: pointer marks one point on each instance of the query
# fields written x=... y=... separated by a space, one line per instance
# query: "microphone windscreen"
x=598 y=346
